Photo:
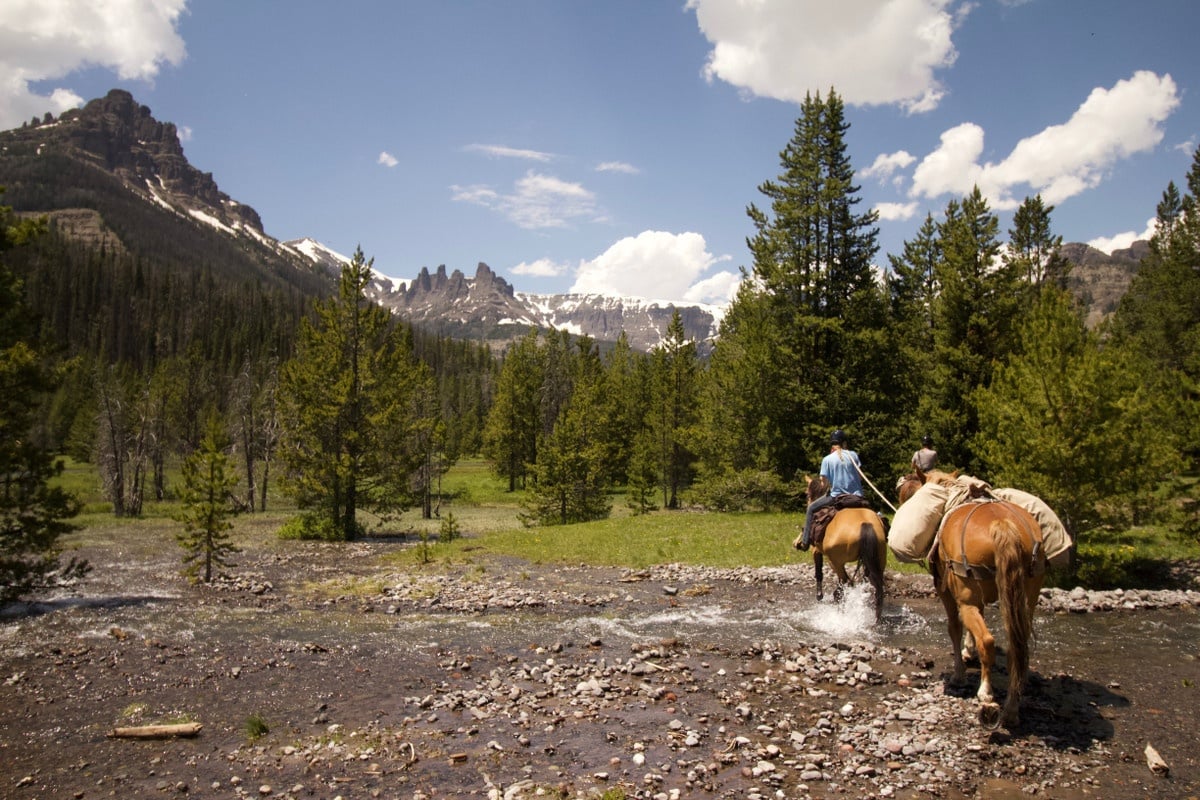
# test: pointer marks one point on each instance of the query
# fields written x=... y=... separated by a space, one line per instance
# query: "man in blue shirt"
x=843 y=470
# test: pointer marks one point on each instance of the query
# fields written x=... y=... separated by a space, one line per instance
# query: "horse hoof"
x=989 y=714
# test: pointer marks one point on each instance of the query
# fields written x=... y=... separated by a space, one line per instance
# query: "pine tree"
x=572 y=473
x=912 y=283
x=33 y=514
x=813 y=255
x=1074 y=421
x=513 y=424
x=741 y=392
x=206 y=504
x=673 y=409
x=973 y=314
x=623 y=408
x=1033 y=249
x=1159 y=315
x=349 y=410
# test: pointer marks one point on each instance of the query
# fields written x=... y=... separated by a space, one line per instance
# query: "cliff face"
x=1098 y=279
x=487 y=306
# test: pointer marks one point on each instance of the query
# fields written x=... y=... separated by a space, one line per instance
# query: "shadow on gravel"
x=1064 y=712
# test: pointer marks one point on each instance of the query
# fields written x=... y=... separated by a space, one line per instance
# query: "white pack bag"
x=916 y=523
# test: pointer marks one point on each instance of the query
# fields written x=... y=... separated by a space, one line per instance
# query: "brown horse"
x=854 y=534
x=989 y=550
x=908 y=485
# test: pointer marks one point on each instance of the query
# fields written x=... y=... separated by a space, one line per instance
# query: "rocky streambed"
x=514 y=680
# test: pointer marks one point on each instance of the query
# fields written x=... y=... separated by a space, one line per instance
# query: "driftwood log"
x=1155 y=761
x=156 y=731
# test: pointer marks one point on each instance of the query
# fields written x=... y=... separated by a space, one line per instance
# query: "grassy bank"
x=485 y=515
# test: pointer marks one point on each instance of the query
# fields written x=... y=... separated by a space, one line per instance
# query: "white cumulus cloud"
x=893 y=212
x=887 y=164
x=1121 y=241
x=47 y=40
x=387 y=159
x=876 y=52
x=656 y=265
x=618 y=166
x=1062 y=160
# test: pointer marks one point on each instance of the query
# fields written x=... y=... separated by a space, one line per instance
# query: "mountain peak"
x=118 y=135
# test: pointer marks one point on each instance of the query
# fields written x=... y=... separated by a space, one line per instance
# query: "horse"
x=907 y=486
x=854 y=534
x=989 y=550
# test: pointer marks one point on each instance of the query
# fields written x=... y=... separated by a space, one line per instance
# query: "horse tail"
x=868 y=557
x=1011 y=572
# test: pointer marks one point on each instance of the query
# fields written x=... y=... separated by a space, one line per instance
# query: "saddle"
x=823 y=516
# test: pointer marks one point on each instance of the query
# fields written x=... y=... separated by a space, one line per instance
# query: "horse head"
x=817 y=487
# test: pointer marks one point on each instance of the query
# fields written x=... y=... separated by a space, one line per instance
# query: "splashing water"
x=853 y=617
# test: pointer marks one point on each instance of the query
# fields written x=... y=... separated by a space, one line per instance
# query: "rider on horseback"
x=842 y=468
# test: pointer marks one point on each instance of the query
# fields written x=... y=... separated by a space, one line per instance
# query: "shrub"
x=312 y=527
x=747 y=490
x=256 y=727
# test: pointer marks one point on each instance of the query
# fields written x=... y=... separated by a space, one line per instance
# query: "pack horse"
x=989 y=551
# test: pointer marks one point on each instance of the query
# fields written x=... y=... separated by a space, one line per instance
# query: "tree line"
x=964 y=336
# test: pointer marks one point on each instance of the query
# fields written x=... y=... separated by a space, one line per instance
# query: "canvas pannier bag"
x=916 y=523
x=1055 y=538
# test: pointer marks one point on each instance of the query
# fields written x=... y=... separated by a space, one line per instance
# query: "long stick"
x=156 y=731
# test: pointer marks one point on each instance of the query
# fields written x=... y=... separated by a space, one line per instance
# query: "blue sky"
x=614 y=146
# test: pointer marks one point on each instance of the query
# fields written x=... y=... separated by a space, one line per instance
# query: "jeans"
x=815 y=505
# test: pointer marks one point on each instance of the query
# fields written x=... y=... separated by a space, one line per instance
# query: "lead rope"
x=886 y=502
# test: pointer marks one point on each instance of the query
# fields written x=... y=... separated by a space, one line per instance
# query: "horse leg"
x=843 y=580
x=969 y=651
x=972 y=618
x=955 y=628
x=819 y=568
x=872 y=552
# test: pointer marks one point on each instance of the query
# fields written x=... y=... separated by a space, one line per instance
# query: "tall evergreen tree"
x=1034 y=251
x=972 y=318
x=1073 y=421
x=673 y=409
x=348 y=411
x=1159 y=315
x=912 y=282
x=514 y=422
x=623 y=405
x=33 y=514
x=741 y=392
x=572 y=472
x=813 y=254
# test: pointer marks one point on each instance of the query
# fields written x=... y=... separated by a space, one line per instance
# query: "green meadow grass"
x=486 y=516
